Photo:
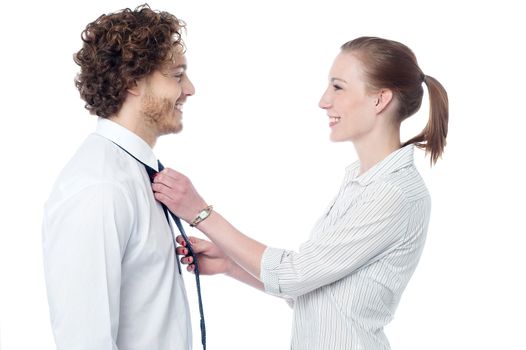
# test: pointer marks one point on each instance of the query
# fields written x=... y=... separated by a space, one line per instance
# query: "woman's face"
x=350 y=107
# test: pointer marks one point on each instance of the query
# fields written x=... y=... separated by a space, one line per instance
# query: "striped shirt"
x=346 y=281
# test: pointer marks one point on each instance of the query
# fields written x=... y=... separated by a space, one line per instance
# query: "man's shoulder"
x=97 y=162
x=100 y=158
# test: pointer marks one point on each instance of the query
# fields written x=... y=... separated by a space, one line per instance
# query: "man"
x=111 y=270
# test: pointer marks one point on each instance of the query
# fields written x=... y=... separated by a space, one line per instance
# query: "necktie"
x=151 y=173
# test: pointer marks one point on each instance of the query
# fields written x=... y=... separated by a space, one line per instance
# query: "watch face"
x=203 y=215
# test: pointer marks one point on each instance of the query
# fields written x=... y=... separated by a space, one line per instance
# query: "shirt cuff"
x=270 y=262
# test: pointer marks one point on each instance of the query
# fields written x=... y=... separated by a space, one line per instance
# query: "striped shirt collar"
x=397 y=160
x=128 y=140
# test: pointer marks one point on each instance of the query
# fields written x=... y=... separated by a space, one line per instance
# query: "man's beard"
x=159 y=114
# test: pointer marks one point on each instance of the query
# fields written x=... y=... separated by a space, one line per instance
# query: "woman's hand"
x=211 y=259
x=244 y=253
x=176 y=191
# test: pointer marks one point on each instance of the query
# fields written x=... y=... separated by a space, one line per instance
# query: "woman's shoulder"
x=405 y=185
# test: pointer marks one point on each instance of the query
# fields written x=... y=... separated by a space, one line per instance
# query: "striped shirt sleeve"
x=363 y=232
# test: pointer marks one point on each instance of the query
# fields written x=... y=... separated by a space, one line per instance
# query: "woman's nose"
x=324 y=102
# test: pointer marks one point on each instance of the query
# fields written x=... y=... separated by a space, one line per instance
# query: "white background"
x=256 y=146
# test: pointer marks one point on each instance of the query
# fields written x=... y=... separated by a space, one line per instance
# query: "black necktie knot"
x=151 y=171
x=160 y=166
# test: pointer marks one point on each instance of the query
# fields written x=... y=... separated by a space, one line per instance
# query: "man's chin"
x=175 y=129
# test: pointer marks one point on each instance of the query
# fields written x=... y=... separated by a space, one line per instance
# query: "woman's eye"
x=336 y=87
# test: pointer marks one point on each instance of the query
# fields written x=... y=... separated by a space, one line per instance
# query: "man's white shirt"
x=111 y=270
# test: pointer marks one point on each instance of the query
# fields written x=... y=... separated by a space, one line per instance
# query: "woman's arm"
x=177 y=192
x=365 y=231
x=213 y=261
x=243 y=250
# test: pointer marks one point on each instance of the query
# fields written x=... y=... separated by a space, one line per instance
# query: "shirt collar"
x=128 y=140
x=397 y=160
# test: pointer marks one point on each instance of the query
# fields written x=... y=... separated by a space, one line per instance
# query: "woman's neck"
x=375 y=148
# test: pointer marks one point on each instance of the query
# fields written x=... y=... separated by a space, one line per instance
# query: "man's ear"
x=135 y=89
x=383 y=99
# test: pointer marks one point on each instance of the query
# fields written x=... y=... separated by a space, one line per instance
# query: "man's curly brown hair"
x=121 y=48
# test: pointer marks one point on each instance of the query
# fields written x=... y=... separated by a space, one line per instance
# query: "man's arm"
x=84 y=238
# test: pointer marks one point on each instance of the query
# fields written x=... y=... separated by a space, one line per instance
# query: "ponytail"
x=433 y=138
x=390 y=64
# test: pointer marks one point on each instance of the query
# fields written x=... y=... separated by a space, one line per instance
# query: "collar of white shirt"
x=397 y=160
x=128 y=140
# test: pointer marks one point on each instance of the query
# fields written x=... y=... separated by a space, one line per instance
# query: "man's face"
x=165 y=93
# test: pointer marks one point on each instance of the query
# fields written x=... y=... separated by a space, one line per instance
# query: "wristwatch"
x=203 y=214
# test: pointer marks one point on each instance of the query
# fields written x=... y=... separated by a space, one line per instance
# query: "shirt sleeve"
x=365 y=231
x=84 y=239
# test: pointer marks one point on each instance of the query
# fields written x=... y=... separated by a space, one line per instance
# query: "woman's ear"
x=383 y=99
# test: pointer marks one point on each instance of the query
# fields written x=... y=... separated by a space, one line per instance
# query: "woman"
x=347 y=278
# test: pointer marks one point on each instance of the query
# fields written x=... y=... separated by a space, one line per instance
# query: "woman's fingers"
x=187 y=260
x=168 y=177
x=198 y=245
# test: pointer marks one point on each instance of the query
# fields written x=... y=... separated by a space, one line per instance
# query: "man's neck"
x=133 y=121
